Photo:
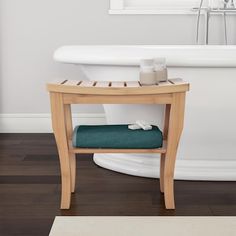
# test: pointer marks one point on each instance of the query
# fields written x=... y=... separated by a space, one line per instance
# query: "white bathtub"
x=208 y=145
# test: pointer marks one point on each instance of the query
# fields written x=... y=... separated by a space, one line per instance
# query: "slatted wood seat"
x=63 y=93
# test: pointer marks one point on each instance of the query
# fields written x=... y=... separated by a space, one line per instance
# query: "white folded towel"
x=140 y=124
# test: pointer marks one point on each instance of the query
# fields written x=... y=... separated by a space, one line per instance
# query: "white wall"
x=30 y=31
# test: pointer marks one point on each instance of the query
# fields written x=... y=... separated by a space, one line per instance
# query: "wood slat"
x=166 y=83
x=100 y=84
x=117 y=84
x=131 y=84
x=71 y=82
x=86 y=83
x=177 y=81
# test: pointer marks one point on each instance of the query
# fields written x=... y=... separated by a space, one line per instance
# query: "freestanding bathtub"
x=208 y=146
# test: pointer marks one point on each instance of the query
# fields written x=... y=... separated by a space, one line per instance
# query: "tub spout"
x=228 y=6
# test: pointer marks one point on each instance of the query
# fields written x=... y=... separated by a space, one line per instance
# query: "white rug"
x=143 y=226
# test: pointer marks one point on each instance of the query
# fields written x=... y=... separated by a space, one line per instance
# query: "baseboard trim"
x=41 y=123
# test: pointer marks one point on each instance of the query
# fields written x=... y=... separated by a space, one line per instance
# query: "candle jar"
x=160 y=69
x=147 y=73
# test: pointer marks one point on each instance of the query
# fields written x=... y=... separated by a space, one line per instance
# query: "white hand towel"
x=140 y=124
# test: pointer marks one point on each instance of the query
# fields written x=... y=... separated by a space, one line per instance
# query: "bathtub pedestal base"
x=142 y=165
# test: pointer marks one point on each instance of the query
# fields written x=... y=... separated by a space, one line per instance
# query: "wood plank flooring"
x=30 y=190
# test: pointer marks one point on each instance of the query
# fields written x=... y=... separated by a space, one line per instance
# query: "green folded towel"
x=116 y=137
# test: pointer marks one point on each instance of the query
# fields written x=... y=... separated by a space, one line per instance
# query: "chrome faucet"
x=232 y=5
x=207 y=16
x=226 y=3
x=198 y=20
x=225 y=23
x=228 y=6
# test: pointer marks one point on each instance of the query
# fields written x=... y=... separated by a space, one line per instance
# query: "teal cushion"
x=116 y=136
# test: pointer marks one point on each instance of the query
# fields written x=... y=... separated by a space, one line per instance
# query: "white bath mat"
x=143 y=226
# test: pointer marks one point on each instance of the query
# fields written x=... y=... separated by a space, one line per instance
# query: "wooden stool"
x=67 y=92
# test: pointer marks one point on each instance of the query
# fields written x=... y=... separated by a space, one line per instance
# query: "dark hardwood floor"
x=30 y=190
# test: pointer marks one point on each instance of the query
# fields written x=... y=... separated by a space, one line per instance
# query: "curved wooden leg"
x=174 y=133
x=73 y=171
x=69 y=131
x=163 y=156
x=65 y=180
x=162 y=166
x=169 y=180
x=59 y=128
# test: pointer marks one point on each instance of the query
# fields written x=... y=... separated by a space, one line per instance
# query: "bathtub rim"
x=112 y=55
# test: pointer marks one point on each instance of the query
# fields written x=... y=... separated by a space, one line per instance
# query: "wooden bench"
x=67 y=92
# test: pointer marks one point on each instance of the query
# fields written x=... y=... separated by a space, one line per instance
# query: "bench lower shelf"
x=104 y=150
x=110 y=150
